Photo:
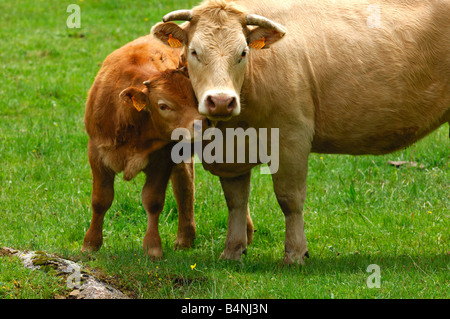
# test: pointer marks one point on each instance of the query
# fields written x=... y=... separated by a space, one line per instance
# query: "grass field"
x=359 y=211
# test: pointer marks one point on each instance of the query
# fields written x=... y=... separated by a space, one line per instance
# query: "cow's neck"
x=252 y=96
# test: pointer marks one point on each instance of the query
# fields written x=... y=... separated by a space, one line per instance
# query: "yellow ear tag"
x=138 y=106
x=258 y=44
x=173 y=42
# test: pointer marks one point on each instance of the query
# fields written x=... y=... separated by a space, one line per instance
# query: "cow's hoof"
x=233 y=254
x=295 y=259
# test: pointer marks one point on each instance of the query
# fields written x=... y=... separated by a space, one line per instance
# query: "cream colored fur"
x=349 y=77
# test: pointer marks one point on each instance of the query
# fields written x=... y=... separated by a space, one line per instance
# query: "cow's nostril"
x=232 y=104
x=211 y=104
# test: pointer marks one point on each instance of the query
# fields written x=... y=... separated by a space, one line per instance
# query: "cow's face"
x=217 y=41
x=216 y=59
x=170 y=100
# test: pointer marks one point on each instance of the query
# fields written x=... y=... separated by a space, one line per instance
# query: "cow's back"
x=374 y=74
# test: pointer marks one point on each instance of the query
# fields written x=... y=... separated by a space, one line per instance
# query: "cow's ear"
x=170 y=34
x=133 y=97
x=262 y=38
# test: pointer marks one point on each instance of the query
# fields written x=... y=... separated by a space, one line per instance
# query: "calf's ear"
x=183 y=65
x=134 y=97
x=170 y=34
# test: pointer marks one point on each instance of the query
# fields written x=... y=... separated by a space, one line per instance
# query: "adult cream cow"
x=348 y=77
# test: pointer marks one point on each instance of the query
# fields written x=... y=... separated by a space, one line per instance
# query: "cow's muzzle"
x=220 y=106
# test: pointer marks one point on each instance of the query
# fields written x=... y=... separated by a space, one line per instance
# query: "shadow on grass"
x=198 y=273
x=268 y=262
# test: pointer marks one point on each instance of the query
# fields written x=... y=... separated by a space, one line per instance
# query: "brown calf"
x=138 y=98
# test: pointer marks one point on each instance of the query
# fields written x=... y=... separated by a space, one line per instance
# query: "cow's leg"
x=101 y=199
x=236 y=191
x=290 y=189
x=182 y=179
x=153 y=197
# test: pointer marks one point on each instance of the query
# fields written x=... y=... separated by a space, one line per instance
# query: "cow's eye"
x=194 y=54
x=243 y=55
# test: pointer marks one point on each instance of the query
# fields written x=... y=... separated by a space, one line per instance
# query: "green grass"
x=18 y=282
x=359 y=210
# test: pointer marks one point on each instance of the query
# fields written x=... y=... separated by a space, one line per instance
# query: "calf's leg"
x=250 y=229
x=182 y=179
x=153 y=197
x=102 y=197
x=237 y=191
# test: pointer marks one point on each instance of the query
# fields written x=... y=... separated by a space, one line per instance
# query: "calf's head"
x=217 y=40
x=169 y=99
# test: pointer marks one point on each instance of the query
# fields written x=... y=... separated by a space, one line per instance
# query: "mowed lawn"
x=360 y=211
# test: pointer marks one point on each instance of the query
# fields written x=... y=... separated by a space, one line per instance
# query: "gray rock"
x=85 y=286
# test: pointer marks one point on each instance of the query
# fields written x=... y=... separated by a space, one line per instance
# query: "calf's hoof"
x=250 y=232
x=153 y=253
x=92 y=243
x=152 y=247
x=185 y=238
x=183 y=243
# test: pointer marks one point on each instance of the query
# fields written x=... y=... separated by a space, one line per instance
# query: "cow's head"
x=169 y=99
x=217 y=40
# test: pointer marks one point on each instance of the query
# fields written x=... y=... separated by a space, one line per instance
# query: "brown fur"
x=333 y=84
x=121 y=138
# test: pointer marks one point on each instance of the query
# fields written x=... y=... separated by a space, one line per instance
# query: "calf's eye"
x=163 y=107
